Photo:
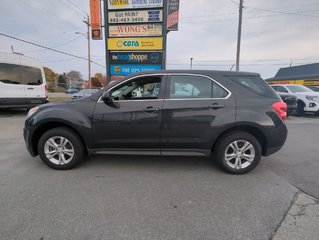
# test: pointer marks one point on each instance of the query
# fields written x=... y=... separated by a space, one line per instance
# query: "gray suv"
x=234 y=117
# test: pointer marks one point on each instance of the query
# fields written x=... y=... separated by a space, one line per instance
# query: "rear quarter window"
x=254 y=84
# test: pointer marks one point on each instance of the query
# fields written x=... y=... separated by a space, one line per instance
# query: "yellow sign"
x=118 y=3
x=306 y=82
x=135 y=43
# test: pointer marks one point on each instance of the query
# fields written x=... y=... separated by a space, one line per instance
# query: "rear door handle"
x=30 y=88
x=150 y=110
x=216 y=106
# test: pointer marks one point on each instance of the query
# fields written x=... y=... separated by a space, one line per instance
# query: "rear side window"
x=255 y=84
x=17 y=74
x=188 y=86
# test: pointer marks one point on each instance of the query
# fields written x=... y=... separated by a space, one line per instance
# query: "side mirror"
x=106 y=97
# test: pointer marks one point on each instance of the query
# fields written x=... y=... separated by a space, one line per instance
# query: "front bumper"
x=27 y=134
x=311 y=106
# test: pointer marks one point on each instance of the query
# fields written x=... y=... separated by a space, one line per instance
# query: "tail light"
x=281 y=109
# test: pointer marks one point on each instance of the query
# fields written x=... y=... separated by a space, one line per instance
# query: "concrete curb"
x=301 y=221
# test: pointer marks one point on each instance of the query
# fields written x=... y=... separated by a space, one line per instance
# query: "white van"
x=22 y=82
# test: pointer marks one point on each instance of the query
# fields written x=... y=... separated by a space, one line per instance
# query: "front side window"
x=139 y=89
x=17 y=74
x=189 y=86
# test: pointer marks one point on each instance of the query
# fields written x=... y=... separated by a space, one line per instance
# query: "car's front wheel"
x=300 y=109
x=61 y=148
x=238 y=152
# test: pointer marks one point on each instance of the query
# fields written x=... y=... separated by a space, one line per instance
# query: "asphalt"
x=298 y=161
x=123 y=197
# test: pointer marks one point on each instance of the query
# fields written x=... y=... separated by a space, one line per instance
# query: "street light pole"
x=191 y=66
x=239 y=34
x=87 y=22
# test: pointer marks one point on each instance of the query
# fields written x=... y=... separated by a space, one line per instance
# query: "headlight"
x=311 y=98
x=32 y=111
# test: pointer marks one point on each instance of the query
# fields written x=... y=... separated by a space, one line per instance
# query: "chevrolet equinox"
x=235 y=117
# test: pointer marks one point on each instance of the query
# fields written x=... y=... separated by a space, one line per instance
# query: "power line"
x=74 y=9
x=287 y=13
x=59 y=45
x=275 y=10
x=48 y=48
x=250 y=60
x=75 y=6
x=47 y=12
x=59 y=60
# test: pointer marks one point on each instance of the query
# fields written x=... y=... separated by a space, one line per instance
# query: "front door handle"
x=30 y=88
x=216 y=106
x=150 y=110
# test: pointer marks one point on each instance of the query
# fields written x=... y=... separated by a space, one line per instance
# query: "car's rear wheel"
x=237 y=152
x=61 y=148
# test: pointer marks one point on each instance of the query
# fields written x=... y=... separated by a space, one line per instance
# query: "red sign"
x=95 y=19
x=172 y=15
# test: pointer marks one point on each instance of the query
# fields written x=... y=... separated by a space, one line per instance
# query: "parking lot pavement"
x=298 y=160
x=122 y=197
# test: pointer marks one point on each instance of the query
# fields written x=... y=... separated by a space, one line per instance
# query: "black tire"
x=300 y=109
x=73 y=144
x=224 y=147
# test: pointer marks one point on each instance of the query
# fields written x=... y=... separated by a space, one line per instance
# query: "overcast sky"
x=275 y=34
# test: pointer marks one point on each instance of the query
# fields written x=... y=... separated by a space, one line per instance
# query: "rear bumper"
x=6 y=103
x=276 y=138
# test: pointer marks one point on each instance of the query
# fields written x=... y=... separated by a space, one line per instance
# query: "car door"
x=34 y=85
x=131 y=122
x=195 y=111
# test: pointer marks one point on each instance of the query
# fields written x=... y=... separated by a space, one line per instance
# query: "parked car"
x=291 y=101
x=314 y=88
x=22 y=82
x=235 y=117
x=307 y=100
x=71 y=91
x=84 y=93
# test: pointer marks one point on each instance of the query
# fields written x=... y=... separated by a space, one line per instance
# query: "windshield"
x=297 y=88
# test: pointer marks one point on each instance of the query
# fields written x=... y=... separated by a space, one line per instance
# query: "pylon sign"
x=96 y=28
x=135 y=36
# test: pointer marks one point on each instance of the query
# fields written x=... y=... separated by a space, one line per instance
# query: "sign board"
x=136 y=30
x=123 y=70
x=116 y=78
x=155 y=43
x=136 y=57
x=126 y=4
x=96 y=29
x=142 y=16
x=172 y=15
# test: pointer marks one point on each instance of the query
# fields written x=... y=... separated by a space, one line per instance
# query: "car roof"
x=197 y=72
x=207 y=72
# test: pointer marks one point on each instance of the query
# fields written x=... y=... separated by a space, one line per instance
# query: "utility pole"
x=239 y=34
x=87 y=22
x=191 y=66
